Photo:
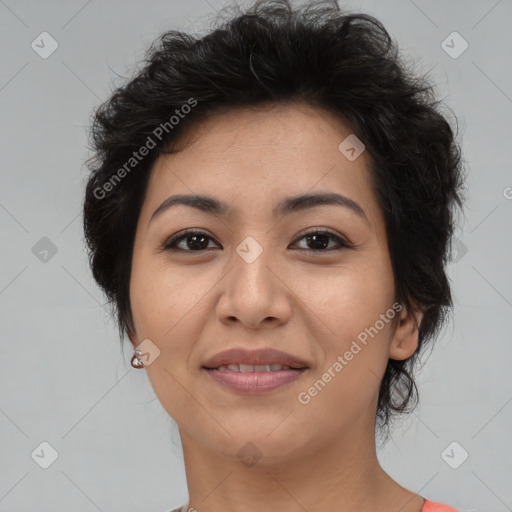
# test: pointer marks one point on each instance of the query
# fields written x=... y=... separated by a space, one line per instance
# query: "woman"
x=269 y=211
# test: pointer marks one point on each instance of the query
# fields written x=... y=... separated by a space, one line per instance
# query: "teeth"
x=249 y=368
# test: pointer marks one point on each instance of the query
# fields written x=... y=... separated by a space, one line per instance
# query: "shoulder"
x=431 y=506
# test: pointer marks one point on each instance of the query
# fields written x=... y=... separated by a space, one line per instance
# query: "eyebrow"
x=288 y=205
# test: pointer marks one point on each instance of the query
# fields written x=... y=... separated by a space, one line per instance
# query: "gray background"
x=64 y=379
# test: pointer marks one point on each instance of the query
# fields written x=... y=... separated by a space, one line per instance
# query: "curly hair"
x=273 y=53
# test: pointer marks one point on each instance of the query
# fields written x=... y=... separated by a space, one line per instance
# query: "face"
x=313 y=280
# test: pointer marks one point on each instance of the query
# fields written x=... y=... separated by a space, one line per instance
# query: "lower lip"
x=253 y=383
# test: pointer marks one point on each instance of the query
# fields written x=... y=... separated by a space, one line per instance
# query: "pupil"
x=198 y=245
x=315 y=238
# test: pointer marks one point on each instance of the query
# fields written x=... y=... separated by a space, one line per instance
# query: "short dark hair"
x=274 y=53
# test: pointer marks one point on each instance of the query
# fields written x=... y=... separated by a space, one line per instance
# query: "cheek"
x=168 y=306
x=346 y=384
x=349 y=297
x=163 y=310
x=356 y=305
x=161 y=296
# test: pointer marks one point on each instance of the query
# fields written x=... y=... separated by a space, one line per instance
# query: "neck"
x=342 y=474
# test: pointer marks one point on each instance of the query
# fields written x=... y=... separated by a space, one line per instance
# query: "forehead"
x=266 y=133
x=258 y=155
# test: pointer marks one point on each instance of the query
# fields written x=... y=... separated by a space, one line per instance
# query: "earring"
x=136 y=361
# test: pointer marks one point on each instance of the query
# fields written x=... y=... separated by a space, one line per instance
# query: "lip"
x=254 y=383
x=261 y=356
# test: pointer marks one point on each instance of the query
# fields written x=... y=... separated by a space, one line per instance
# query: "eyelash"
x=169 y=243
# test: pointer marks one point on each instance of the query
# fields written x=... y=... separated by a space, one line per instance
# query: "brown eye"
x=198 y=241
x=190 y=241
x=318 y=241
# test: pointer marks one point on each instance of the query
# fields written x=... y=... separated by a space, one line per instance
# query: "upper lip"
x=261 y=356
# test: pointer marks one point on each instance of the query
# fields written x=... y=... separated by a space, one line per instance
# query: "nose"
x=255 y=293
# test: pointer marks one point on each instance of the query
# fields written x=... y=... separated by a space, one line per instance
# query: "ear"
x=405 y=339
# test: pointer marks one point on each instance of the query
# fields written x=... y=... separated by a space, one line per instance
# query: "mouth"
x=263 y=360
x=254 y=372
x=251 y=368
x=254 y=382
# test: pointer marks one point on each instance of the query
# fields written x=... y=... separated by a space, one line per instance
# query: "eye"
x=193 y=240
x=319 y=239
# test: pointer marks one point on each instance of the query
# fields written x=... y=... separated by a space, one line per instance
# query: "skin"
x=192 y=305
